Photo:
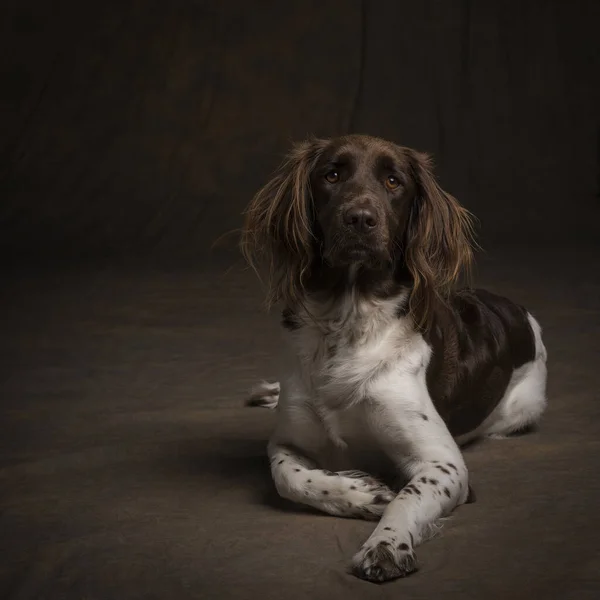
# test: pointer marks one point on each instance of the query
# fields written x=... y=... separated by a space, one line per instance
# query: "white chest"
x=342 y=359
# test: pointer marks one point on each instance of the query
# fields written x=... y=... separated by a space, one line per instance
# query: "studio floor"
x=130 y=467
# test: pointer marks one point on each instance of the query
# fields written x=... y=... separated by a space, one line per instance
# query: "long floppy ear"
x=277 y=232
x=439 y=241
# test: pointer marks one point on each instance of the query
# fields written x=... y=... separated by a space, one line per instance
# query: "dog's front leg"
x=300 y=433
x=412 y=433
x=343 y=494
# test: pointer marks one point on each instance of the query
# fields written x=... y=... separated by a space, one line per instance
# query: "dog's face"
x=357 y=201
x=361 y=192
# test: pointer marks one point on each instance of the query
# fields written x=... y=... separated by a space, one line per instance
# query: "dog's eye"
x=332 y=176
x=391 y=182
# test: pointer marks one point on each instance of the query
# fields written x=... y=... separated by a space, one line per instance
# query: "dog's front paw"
x=347 y=494
x=382 y=560
x=367 y=483
x=367 y=496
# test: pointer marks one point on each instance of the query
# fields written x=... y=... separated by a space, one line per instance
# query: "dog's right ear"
x=277 y=232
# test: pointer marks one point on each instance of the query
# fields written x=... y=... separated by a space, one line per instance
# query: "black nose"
x=360 y=218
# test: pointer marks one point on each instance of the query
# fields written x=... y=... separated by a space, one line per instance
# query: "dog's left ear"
x=439 y=240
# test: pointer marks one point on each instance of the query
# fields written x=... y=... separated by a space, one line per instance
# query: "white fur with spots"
x=360 y=380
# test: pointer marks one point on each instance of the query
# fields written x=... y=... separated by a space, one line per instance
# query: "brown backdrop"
x=144 y=127
x=129 y=467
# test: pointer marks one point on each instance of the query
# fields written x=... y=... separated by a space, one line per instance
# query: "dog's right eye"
x=332 y=176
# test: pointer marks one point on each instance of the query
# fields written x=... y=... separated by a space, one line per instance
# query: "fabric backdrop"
x=143 y=128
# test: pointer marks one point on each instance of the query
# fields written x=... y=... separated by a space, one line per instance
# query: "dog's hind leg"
x=525 y=400
x=264 y=394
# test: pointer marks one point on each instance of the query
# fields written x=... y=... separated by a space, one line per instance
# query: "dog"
x=364 y=252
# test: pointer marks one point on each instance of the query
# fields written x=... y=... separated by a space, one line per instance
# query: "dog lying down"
x=363 y=251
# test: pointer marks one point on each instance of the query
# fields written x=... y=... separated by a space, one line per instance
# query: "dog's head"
x=358 y=202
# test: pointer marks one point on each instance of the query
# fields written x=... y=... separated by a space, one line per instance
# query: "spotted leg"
x=299 y=434
x=416 y=438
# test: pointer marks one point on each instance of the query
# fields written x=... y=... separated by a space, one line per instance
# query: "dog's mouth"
x=360 y=253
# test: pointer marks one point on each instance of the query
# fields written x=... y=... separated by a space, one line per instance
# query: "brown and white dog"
x=364 y=249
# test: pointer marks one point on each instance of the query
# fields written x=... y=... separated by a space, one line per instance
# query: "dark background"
x=132 y=136
x=131 y=128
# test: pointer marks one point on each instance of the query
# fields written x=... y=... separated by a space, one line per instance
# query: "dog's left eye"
x=332 y=176
x=391 y=182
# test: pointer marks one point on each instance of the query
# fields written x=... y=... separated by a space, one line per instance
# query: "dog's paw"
x=364 y=480
x=367 y=483
x=383 y=560
x=355 y=494
x=264 y=394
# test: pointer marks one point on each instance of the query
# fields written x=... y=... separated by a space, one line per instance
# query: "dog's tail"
x=264 y=394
